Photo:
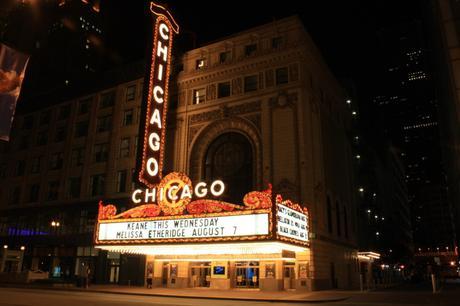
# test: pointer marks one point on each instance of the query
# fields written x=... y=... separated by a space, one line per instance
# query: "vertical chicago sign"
x=155 y=102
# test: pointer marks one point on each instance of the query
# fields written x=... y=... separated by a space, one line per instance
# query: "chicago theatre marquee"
x=209 y=228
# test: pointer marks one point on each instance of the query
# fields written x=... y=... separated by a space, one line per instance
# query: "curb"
x=177 y=296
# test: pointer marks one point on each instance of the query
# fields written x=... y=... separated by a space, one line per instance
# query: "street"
x=404 y=296
x=32 y=297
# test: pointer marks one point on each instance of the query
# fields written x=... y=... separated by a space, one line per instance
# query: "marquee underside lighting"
x=368 y=255
x=206 y=249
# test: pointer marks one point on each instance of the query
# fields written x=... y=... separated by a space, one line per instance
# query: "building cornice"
x=247 y=64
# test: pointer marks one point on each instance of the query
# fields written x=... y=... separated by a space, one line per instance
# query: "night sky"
x=345 y=31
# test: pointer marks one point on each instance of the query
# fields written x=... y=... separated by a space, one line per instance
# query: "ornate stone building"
x=255 y=108
x=262 y=107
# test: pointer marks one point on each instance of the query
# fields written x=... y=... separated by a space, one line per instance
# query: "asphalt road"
x=36 y=297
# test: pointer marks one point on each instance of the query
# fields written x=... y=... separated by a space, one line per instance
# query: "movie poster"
x=12 y=68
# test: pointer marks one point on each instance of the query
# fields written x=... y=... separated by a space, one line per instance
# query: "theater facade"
x=211 y=243
x=243 y=170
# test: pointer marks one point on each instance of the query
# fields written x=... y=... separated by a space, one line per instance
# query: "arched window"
x=329 y=215
x=337 y=212
x=229 y=158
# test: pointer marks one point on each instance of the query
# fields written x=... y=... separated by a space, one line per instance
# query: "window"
x=20 y=167
x=89 y=251
x=337 y=212
x=124 y=147
x=329 y=215
x=34 y=193
x=42 y=138
x=121 y=181
x=64 y=112
x=77 y=157
x=225 y=57
x=223 y=89
x=53 y=190
x=15 y=195
x=281 y=75
x=200 y=63
x=35 y=164
x=45 y=117
x=104 y=123
x=87 y=221
x=128 y=117
x=107 y=99
x=96 y=184
x=60 y=134
x=199 y=95
x=100 y=152
x=83 y=106
x=229 y=157
x=131 y=93
x=56 y=161
x=250 y=83
x=3 y=170
x=24 y=143
x=139 y=113
x=276 y=42
x=74 y=187
x=250 y=49
x=28 y=122
x=81 y=128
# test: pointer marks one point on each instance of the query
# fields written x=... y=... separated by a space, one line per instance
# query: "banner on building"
x=12 y=68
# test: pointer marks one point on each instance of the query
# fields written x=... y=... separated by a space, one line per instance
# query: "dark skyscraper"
x=63 y=38
x=406 y=102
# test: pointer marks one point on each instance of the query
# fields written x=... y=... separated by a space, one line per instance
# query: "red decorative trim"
x=210 y=206
x=252 y=201
x=291 y=205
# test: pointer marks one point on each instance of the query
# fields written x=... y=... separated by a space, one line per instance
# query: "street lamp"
x=55 y=225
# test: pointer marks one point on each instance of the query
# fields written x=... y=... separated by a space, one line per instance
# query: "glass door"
x=164 y=274
x=114 y=272
x=201 y=274
x=289 y=276
x=247 y=274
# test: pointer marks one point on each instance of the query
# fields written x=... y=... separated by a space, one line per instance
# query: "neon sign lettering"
x=176 y=192
x=156 y=104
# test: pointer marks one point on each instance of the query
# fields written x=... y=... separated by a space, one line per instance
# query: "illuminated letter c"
x=134 y=196
x=164 y=30
x=156 y=90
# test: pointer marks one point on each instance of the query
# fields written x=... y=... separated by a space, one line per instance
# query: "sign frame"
x=160 y=15
x=269 y=236
x=298 y=208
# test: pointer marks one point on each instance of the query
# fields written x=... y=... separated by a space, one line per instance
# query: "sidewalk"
x=205 y=293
